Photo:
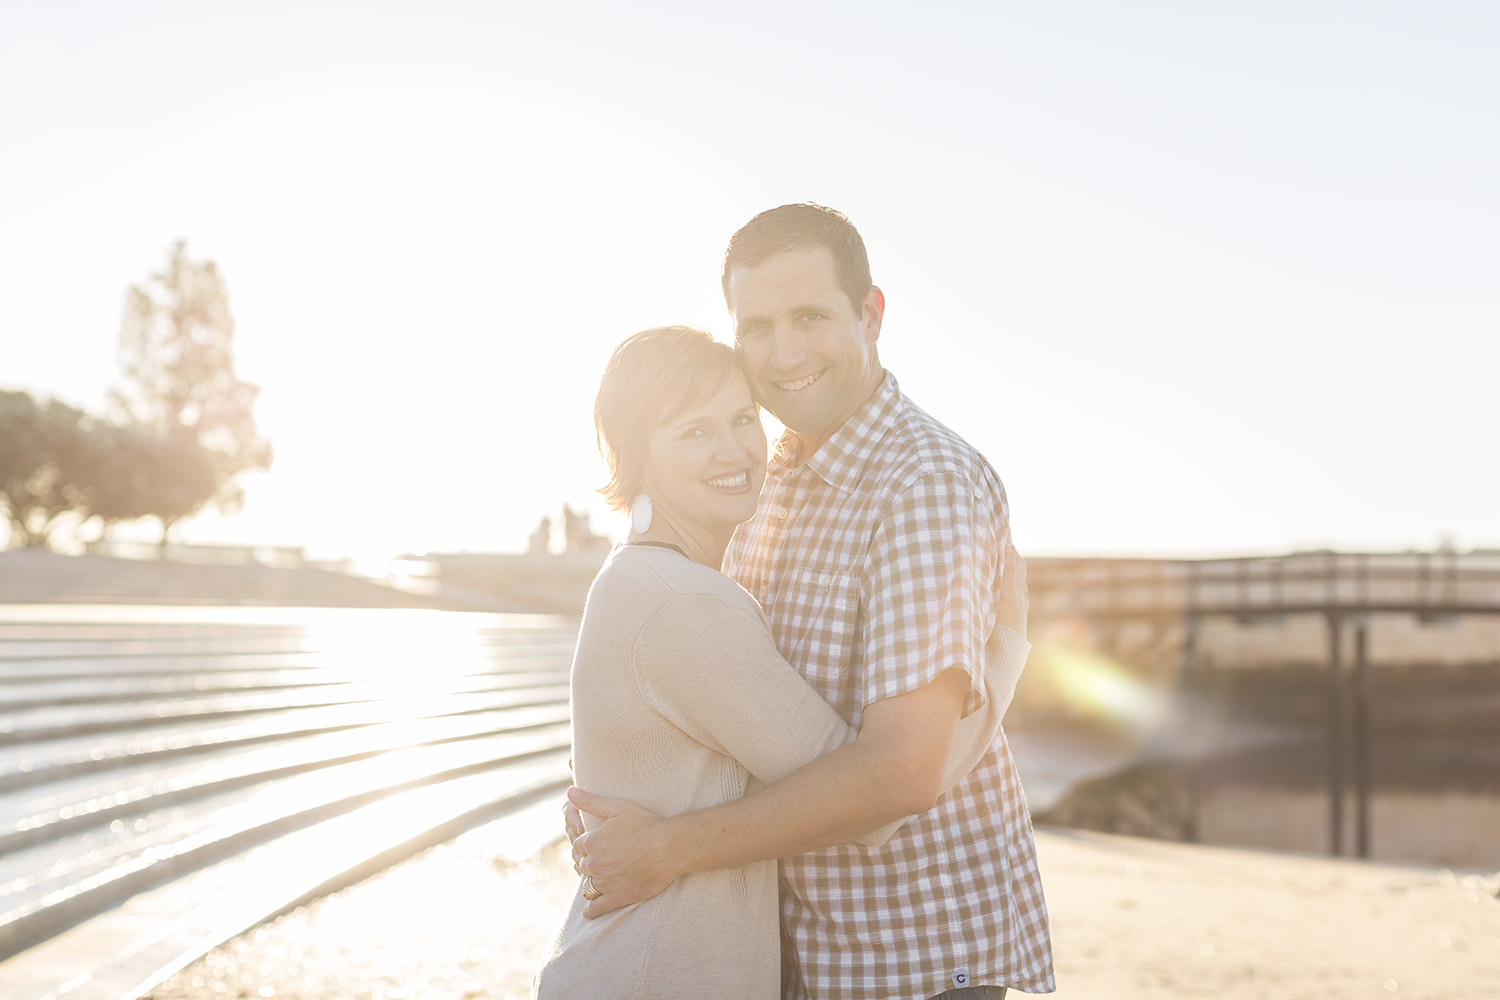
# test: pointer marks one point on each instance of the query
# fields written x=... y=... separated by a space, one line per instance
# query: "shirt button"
x=961 y=978
x=781 y=514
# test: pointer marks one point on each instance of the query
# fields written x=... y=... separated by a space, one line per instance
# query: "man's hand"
x=626 y=855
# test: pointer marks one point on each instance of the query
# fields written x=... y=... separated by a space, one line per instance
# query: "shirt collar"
x=841 y=461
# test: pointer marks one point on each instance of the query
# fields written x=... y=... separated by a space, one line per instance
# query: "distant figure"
x=579 y=537
x=541 y=537
x=571 y=529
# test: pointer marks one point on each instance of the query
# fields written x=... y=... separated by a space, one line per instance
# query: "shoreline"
x=1130 y=917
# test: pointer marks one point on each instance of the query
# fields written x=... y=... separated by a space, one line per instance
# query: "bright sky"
x=1196 y=277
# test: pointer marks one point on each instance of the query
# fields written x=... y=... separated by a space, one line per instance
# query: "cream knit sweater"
x=681 y=701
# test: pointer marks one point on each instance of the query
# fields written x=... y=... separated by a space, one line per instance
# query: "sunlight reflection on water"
x=406 y=662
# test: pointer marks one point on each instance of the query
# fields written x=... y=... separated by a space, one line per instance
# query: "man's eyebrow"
x=826 y=306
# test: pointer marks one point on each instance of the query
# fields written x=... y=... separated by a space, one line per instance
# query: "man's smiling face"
x=808 y=351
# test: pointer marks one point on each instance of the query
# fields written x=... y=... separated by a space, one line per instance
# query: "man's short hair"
x=802 y=227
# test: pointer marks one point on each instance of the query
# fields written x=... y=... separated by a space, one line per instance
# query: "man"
x=877 y=553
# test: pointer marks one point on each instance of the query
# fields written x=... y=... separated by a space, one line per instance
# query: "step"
x=123 y=953
x=91 y=872
x=74 y=753
x=68 y=804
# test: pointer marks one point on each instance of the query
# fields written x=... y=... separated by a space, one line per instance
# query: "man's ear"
x=874 y=310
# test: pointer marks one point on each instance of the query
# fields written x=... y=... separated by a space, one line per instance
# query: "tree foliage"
x=44 y=454
x=128 y=477
x=180 y=387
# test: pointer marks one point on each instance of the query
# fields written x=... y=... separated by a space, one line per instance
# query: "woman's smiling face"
x=706 y=465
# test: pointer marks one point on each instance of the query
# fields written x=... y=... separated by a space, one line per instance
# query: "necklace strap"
x=661 y=545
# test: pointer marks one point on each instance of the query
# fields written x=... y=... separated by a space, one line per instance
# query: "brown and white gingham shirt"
x=878 y=562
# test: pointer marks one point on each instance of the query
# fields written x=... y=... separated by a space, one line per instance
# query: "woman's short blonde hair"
x=652 y=377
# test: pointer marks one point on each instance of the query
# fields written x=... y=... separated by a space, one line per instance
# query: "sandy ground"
x=1142 y=918
x=1131 y=918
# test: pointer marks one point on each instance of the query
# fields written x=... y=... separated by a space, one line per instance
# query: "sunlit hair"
x=802 y=227
x=652 y=378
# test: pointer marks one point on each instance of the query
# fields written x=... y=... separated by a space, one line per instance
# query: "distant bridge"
x=1428 y=585
x=1167 y=617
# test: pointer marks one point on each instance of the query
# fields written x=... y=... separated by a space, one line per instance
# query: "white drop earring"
x=640 y=514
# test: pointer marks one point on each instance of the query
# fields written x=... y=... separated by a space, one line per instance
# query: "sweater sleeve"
x=1005 y=656
x=711 y=668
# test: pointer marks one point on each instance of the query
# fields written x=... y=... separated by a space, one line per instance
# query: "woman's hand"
x=1014 y=597
x=626 y=856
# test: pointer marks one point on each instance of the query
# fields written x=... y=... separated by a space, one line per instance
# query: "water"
x=1431 y=800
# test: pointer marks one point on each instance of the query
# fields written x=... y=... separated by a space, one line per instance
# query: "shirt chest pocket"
x=815 y=614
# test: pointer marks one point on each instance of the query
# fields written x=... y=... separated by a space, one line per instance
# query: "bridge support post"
x=1335 y=739
x=1360 y=731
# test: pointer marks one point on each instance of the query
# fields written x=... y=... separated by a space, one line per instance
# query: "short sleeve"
x=931 y=585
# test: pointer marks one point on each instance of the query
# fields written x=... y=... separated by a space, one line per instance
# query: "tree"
x=179 y=384
x=117 y=481
x=44 y=451
x=180 y=473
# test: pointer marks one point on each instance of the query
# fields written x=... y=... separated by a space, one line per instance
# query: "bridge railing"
x=1421 y=583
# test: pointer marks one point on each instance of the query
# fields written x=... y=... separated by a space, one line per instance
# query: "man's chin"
x=796 y=410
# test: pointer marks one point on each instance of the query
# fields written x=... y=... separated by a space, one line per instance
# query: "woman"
x=680 y=699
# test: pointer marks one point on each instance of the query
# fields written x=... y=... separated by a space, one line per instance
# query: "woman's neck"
x=698 y=544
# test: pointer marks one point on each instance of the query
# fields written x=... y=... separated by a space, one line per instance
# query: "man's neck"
x=807 y=445
x=801 y=450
